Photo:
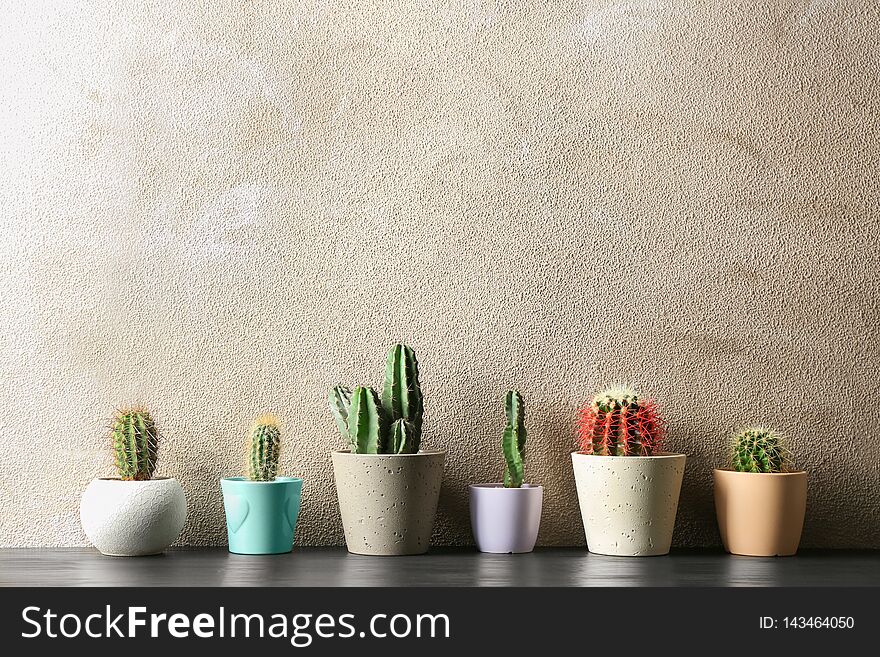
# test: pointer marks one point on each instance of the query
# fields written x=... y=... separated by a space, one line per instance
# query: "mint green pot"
x=261 y=515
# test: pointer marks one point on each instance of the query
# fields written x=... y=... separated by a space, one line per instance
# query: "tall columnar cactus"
x=135 y=444
x=367 y=429
x=390 y=425
x=757 y=449
x=264 y=449
x=514 y=441
x=402 y=400
x=620 y=423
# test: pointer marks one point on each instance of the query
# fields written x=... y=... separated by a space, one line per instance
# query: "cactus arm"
x=366 y=427
x=401 y=438
x=340 y=403
x=514 y=439
x=401 y=394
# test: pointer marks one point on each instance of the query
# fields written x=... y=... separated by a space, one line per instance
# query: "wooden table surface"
x=440 y=567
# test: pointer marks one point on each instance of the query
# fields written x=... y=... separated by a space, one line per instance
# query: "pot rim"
x=430 y=452
x=281 y=479
x=659 y=456
x=500 y=486
x=134 y=481
x=763 y=474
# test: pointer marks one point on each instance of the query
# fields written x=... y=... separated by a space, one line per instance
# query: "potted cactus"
x=627 y=487
x=135 y=513
x=262 y=508
x=387 y=487
x=505 y=517
x=760 y=501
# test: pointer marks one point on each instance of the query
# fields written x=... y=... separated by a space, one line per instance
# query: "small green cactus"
x=264 y=449
x=756 y=449
x=514 y=441
x=392 y=425
x=135 y=444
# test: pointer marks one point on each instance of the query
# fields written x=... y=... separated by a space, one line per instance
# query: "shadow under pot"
x=628 y=503
x=760 y=514
x=261 y=515
x=132 y=518
x=388 y=501
x=505 y=520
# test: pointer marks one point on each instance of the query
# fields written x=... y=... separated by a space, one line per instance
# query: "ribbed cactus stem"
x=340 y=403
x=514 y=440
x=757 y=449
x=392 y=425
x=366 y=424
x=401 y=438
x=135 y=444
x=619 y=423
x=264 y=450
x=402 y=395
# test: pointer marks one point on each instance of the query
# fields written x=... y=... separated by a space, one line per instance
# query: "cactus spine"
x=135 y=444
x=265 y=448
x=514 y=441
x=390 y=425
x=620 y=423
x=402 y=396
x=756 y=449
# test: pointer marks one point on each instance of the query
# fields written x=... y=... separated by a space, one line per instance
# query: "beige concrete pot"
x=388 y=501
x=760 y=514
x=628 y=503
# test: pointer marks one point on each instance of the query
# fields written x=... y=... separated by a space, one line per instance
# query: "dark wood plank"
x=442 y=567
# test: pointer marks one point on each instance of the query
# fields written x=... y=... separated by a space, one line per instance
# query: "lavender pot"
x=506 y=520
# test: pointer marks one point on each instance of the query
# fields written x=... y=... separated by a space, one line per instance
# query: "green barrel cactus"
x=264 y=449
x=391 y=424
x=756 y=449
x=513 y=442
x=135 y=444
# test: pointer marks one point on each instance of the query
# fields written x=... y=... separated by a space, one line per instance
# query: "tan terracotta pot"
x=760 y=515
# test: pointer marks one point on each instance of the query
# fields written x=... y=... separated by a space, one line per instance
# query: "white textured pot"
x=388 y=501
x=505 y=520
x=132 y=518
x=628 y=503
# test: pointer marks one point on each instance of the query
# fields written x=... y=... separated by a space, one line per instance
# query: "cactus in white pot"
x=506 y=516
x=627 y=486
x=135 y=513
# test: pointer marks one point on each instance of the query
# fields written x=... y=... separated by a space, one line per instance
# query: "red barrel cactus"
x=620 y=423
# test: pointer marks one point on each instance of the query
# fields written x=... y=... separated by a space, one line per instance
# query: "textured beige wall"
x=222 y=208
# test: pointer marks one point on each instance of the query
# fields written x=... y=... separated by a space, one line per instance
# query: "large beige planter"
x=388 y=501
x=628 y=503
x=760 y=514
